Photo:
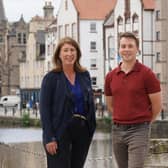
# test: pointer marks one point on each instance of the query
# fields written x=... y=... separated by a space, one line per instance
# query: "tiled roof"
x=94 y=9
x=149 y=4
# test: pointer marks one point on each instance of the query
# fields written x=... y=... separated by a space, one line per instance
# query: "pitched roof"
x=148 y=4
x=94 y=9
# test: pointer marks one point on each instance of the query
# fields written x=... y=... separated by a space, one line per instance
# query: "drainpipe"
x=142 y=33
x=152 y=52
x=78 y=28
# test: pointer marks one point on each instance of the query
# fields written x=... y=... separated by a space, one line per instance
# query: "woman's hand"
x=52 y=147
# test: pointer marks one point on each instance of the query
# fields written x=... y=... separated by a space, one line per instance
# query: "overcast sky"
x=29 y=8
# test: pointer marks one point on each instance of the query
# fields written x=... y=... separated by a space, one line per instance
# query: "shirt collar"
x=135 y=68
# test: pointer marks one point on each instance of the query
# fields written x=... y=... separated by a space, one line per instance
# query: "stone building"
x=33 y=68
x=16 y=53
x=13 y=37
x=3 y=48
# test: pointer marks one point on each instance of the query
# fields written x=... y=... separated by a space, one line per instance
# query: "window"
x=19 y=38
x=135 y=18
x=92 y=45
x=48 y=66
x=42 y=49
x=120 y=20
x=48 y=49
x=53 y=48
x=66 y=30
x=111 y=53
x=158 y=57
x=157 y=14
x=158 y=35
x=24 y=38
x=60 y=32
x=120 y=24
x=1 y=38
x=128 y=24
x=128 y=21
x=74 y=31
x=93 y=63
x=94 y=81
x=158 y=76
x=93 y=27
x=23 y=53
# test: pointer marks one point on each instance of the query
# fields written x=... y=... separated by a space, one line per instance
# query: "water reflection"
x=100 y=152
x=31 y=153
x=17 y=135
x=24 y=149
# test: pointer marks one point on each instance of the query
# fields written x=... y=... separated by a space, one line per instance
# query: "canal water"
x=26 y=144
x=22 y=148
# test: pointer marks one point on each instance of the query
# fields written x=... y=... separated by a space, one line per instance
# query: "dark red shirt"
x=131 y=103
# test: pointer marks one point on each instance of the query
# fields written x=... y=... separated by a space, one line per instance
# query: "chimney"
x=48 y=10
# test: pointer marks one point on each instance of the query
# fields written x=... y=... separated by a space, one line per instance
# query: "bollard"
x=13 y=111
x=5 y=110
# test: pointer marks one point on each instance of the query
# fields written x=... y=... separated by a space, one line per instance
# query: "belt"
x=131 y=125
x=79 y=116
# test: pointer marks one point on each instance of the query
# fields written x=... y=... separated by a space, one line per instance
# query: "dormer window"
x=120 y=20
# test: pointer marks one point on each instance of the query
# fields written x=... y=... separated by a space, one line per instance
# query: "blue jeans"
x=130 y=144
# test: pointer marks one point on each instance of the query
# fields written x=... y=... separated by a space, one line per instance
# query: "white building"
x=135 y=16
x=83 y=21
x=50 y=44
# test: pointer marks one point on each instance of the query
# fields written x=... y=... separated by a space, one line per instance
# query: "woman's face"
x=68 y=55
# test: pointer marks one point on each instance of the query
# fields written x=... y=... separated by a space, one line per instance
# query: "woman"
x=67 y=108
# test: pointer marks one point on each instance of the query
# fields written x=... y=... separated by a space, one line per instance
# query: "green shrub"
x=37 y=123
x=25 y=119
x=107 y=120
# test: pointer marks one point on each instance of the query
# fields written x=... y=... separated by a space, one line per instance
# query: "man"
x=133 y=97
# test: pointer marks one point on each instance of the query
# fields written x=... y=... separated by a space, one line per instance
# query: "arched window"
x=120 y=24
x=135 y=22
x=135 y=18
x=74 y=31
x=120 y=20
x=128 y=24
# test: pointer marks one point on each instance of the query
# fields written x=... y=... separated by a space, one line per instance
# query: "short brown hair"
x=131 y=36
x=56 y=59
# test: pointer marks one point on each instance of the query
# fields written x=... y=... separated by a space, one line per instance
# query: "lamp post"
x=9 y=69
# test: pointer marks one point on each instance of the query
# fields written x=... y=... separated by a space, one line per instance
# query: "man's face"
x=128 y=49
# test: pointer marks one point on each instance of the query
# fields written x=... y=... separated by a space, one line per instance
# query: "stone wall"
x=159 y=129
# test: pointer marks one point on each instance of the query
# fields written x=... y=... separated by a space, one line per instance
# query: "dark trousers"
x=73 y=146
